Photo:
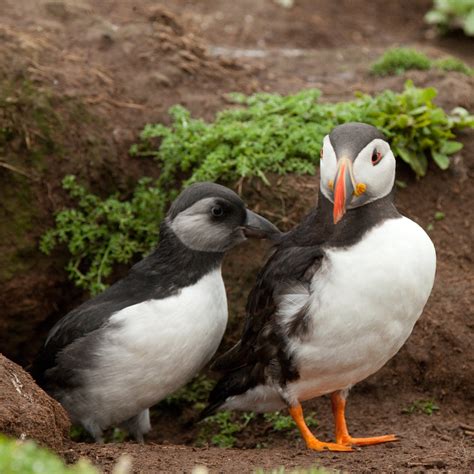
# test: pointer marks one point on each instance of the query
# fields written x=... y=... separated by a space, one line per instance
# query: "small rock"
x=160 y=79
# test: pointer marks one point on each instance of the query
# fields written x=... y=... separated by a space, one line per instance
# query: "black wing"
x=263 y=345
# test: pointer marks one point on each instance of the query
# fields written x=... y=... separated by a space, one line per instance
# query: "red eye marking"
x=376 y=157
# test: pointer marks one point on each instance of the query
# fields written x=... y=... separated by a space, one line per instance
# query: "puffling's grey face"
x=211 y=218
x=357 y=167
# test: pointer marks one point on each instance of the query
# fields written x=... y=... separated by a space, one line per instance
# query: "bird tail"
x=231 y=384
x=209 y=410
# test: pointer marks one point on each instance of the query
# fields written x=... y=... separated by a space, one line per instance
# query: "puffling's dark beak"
x=344 y=186
x=258 y=227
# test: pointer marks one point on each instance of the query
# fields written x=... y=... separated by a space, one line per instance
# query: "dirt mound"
x=115 y=55
x=26 y=412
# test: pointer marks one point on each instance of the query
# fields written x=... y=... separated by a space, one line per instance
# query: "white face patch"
x=198 y=231
x=328 y=165
x=378 y=178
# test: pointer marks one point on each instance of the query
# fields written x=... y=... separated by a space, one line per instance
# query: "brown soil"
x=129 y=61
x=26 y=412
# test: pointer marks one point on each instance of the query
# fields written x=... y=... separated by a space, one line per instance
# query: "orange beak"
x=343 y=188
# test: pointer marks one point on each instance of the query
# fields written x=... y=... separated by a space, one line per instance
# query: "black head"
x=212 y=218
x=350 y=138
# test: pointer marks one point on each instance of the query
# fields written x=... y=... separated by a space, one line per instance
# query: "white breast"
x=158 y=346
x=364 y=303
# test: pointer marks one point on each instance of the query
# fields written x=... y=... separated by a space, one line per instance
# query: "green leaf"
x=469 y=24
x=434 y=17
x=441 y=160
x=449 y=147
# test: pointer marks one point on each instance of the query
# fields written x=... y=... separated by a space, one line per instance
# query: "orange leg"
x=313 y=443
x=342 y=435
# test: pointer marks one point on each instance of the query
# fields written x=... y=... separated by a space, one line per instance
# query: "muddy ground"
x=126 y=62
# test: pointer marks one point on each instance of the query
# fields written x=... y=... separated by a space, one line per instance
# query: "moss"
x=453 y=64
x=18 y=220
x=399 y=60
x=37 y=147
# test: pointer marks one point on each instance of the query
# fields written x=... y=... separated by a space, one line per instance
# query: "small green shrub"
x=399 y=60
x=267 y=133
x=452 y=14
x=282 y=422
x=453 y=64
x=227 y=424
x=17 y=457
x=223 y=428
x=195 y=393
x=427 y=407
x=100 y=233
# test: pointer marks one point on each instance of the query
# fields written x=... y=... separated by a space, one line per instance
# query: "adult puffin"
x=338 y=297
x=118 y=354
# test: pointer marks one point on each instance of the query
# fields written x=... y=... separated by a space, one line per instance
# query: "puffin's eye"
x=217 y=211
x=376 y=157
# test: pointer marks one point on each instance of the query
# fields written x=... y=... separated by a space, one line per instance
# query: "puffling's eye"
x=376 y=157
x=217 y=211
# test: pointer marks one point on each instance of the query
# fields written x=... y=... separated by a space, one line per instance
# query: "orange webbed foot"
x=342 y=434
x=311 y=441
x=350 y=441
x=317 y=445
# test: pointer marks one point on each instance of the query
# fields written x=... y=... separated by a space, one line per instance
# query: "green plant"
x=25 y=457
x=452 y=14
x=227 y=425
x=282 y=422
x=271 y=133
x=399 y=60
x=194 y=393
x=453 y=64
x=428 y=407
x=267 y=133
x=100 y=233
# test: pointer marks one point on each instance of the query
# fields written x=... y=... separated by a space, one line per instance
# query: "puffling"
x=338 y=297
x=109 y=360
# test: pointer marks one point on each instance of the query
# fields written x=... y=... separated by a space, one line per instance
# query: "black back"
x=263 y=349
x=168 y=268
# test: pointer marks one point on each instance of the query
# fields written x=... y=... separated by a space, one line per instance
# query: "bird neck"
x=172 y=259
x=318 y=227
x=357 y=221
